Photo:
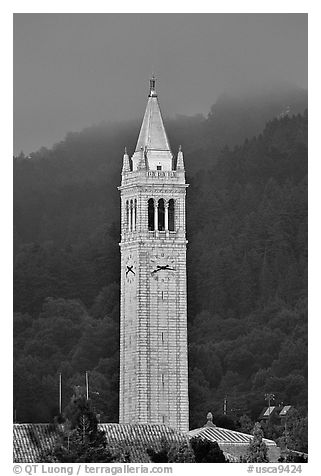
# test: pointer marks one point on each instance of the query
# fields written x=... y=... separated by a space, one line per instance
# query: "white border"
x=314 y=178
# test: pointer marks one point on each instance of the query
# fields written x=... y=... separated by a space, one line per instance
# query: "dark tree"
x=80 y=440
x=257 y=451
x=206 y=451
x=171 y=453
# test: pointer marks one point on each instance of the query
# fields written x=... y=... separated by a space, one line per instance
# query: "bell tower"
x=153 y=314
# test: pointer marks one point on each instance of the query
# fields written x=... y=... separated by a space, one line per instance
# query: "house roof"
x=267 y=412
x=285 y=410
x=225 y=436
x=31 y=440
x=140 y=437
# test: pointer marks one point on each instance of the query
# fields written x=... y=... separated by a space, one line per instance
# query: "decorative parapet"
x=152 y=177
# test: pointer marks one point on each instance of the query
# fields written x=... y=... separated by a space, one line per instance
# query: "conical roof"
x=152 y=142
x=152 y=132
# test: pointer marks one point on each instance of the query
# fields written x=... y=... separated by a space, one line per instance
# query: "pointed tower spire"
x=126 y=164
x=180 y=159
x=152 y=136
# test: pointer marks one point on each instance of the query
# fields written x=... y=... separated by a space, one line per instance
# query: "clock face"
x=162 y=266
x=130 y=269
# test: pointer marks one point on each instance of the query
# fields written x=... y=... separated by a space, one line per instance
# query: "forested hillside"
x=247 y=264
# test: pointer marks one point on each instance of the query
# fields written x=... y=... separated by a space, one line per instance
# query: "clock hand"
x=159 y=268
x=167 y=267
x=156 y=270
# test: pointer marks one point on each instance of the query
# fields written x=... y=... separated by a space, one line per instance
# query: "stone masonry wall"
x=153 y=328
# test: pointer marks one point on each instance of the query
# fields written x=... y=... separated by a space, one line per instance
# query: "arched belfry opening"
x=171 y=215
x=131 y=215
x=151 y=214
x=161 y=214
x=127 y=215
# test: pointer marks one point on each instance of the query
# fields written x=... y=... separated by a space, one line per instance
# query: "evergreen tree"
x=171 y=453
x=257 y=451
x=181 y=453
x=206 y=451
x=80 y=440
x=246 y=424
x=295 y=434
x=160 y=455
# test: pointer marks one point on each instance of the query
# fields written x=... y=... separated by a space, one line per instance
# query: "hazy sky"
x=74 y=70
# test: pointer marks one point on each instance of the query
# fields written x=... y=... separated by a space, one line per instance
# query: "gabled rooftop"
x=234 y=443
x=30 y=440
x=225 y=436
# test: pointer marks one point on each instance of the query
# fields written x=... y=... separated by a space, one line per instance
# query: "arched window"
x=161 y=215
x=127 y=215
x=171 y=215
x=135 y=214
x=131 y=216
x=151 y=212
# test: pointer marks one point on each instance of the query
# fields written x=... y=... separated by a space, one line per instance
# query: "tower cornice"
x=155 y=178
x=157 y=187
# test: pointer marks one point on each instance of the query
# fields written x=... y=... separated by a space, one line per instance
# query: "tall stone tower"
x=153 y=317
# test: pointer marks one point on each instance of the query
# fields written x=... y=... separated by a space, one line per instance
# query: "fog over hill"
x=74 y=70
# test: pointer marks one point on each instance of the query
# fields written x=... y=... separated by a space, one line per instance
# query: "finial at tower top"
x=152 y=86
